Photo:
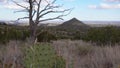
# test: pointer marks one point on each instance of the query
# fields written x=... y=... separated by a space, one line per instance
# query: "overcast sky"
x=102 y=10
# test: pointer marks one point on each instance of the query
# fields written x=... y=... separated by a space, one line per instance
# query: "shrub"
x=42 y=56
x=104 y=35
x=59 y=62
x=14 y=34
x=46 y=36
x=3 y=36
x=84 y=50
x=7 y=34
x=39 y=56
x=78 y=35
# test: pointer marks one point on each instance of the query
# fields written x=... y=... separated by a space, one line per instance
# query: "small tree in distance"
x=37 y=10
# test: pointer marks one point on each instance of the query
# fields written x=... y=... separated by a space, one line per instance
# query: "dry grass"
x=11 y=55
x=78 y=54
x=84 y=55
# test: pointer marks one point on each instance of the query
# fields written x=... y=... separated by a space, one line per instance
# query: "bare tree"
x=37 y=12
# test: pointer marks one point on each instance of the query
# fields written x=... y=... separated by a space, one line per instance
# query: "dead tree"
x=37 y=12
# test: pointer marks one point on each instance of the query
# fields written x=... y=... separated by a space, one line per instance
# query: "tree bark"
x=31 y=24
x=32 y=33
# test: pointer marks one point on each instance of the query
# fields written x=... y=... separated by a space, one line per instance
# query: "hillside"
x=74 y=24
x=69 y=29
x=2 y=23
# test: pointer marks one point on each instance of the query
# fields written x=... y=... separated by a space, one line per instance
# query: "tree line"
x=101 y=35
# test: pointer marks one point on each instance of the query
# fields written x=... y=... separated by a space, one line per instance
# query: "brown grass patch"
x=84 y=55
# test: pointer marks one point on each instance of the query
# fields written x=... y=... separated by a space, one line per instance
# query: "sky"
x=84 y=10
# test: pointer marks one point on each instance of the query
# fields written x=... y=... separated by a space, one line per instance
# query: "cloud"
x=105 y=6
x=69 y=0
x=14 y=6
x=108 y=6
x=112 y=0
x=11 y=5
x=92 y=6
x=3 y=1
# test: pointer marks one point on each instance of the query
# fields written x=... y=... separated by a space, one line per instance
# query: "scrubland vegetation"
x=72 y=44
x=103 y=35
x=17 y=54
x=92 y=48
x=59 y=54
x=84 y=55
x=98 y=35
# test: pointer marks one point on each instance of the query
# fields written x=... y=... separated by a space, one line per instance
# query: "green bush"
x=103 y=35
x=39 y=56
x=59 y=62
x=15 y=34
x=7 y=34
x=46 y=36
x=3 y=36
x=78 y=35
x=42 y=56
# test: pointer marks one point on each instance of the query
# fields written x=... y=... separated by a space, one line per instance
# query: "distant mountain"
x=2 y=23
x=103 y=22
x=74 y=24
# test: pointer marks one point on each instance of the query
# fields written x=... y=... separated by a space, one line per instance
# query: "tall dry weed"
x=12 y=55
x=85 y=55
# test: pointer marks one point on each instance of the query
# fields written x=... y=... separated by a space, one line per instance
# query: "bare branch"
x=23 y=18
x=35 y=1
x=54 y=1
x=46 y=1
x=34 y=13
x=21 y=5
x=44 y=9
x=59 y=16
x=45 y=13
x=21 y=11
x=47 y=7
x=38 y=10
x=48 y=12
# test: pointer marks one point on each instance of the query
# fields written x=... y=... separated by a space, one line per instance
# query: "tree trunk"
x=32 y=25
x=33 y=29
